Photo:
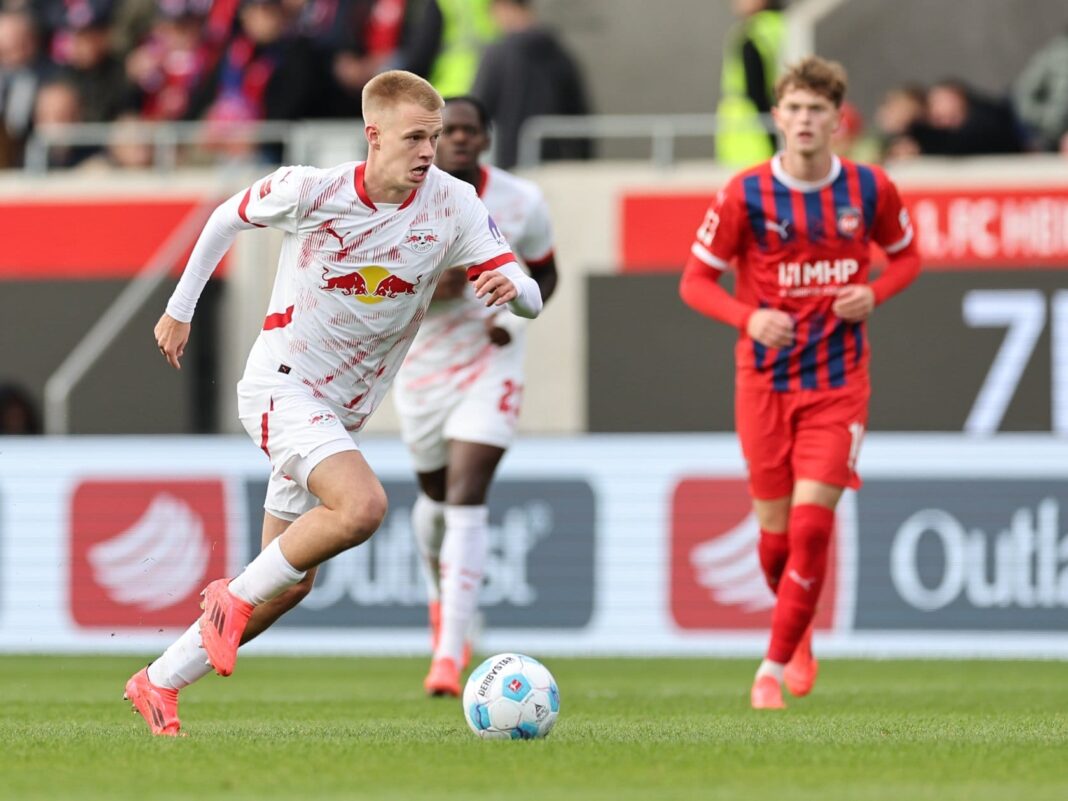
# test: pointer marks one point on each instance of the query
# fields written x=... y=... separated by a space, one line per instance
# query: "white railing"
x=662 y=130
x=174 y=144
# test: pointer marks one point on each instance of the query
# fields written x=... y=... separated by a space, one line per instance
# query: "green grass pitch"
x=316 y=728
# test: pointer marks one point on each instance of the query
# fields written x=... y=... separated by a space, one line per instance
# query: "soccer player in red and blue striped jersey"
x=798 y=231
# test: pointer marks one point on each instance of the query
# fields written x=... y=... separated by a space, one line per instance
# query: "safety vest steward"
x=741 y=139
x=467 y=27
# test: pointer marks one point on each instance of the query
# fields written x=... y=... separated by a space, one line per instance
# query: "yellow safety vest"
x=467 y=27
x=741 y=140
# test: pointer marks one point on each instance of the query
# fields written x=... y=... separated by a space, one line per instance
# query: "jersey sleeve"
x=719 y=237
x=892 y=229
x=535 y=245
x=480 y=246
x=274 y=201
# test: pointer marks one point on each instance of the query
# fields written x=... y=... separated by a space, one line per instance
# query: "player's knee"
x=359 y=521
x=467 y=490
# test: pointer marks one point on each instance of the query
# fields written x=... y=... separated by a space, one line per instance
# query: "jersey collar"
x=483 y=180
x=361 y=190
x=797 y=184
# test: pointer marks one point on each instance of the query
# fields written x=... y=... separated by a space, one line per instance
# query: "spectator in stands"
x=59 y=103
x=850 y=139
x=132 y=22
x=525 y=74
x=18 y=413
x=129 y=146
x=961 y=122
x=751 y=58
x=448 y=41
x=22 y=70
x=900 y=108
x=89 y=64
x=1040 y=95
x=173 y=61
x=265 y=72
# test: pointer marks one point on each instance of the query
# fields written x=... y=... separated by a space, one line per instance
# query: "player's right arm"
x=718 y=241
x=270 y=202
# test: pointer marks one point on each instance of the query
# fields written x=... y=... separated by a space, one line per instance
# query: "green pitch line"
x=628 y=729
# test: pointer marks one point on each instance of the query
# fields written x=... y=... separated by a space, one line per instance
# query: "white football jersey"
x=453 y=343
x=355 y=278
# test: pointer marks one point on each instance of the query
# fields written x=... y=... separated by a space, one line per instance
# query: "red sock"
x=773 y=550
x=806 y=567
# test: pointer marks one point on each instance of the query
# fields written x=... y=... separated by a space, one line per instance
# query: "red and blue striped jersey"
x=794 y=244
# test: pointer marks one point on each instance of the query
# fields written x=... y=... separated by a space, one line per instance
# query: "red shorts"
x=810 y=434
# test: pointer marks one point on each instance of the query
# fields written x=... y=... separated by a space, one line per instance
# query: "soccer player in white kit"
x=458 y=395
x=364 y=248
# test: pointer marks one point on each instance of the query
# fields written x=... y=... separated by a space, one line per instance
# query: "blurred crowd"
x=233 y=62
x=952 y=118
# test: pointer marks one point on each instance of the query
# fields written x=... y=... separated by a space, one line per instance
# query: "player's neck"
x=472 y=176
x=380 y=190
x=809 y=168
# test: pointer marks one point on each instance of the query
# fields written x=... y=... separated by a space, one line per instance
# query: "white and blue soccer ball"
x=511 y=696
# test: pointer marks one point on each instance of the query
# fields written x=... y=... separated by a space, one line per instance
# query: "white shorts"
x=486 y=411
x=296 y=430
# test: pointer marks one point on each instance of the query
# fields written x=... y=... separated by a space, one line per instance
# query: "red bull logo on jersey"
x=369 y=284
x=848 y=221
x=797 y=278
x=421 y=240
x=323 y=417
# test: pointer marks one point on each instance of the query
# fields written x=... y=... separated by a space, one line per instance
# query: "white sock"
x=463 y=558
x=428 y=526
x=769 y=668
x=266 y=576
x=182 y=663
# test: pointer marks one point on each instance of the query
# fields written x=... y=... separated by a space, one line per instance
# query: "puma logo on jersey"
x=781 y=228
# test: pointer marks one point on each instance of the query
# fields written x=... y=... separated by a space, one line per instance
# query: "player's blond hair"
x=396 y=86
x=818 y=75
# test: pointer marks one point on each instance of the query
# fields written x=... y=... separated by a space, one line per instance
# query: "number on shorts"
x=509 y=403
x=856 y=434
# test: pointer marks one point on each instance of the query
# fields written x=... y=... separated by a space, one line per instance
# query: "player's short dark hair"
x=476 y=104
x=817 y=75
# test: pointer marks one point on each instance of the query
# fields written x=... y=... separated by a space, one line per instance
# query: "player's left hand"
x=495 y=288
x=854 y=303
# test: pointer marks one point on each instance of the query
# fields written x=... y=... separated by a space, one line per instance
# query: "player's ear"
x=374 y=135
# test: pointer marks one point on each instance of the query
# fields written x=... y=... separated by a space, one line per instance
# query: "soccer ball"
x=511 y=696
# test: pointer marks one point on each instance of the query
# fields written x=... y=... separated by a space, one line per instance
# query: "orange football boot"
x=801 y=670
x=222 y=624
x=443 y=678
x=157 y=705
x=766 y=693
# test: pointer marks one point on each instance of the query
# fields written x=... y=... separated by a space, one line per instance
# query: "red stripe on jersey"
x=802 y=223
x=774 y=237
x=278 y=320
x=476 y=270
x=537 y=264
x=264 y=434
x=244 y=206
x=830 y=214
x=855 y=199
x=361 y=190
